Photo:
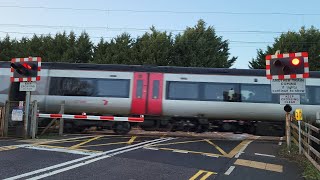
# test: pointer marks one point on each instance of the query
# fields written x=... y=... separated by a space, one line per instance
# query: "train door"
x=154 y=105
x=139 y=93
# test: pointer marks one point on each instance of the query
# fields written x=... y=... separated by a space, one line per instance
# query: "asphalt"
x=123 y=157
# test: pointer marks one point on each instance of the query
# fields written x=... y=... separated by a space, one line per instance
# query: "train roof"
x=152 y=68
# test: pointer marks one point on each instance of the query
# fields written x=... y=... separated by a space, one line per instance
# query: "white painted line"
x=180 y=151
x=229 y=171
x=89 y=162
x=60 y=150
x=242 y=149
x=151 y=148
x=81 y=159
x=267 y=155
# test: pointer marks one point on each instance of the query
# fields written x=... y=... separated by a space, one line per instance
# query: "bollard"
x=318 y=118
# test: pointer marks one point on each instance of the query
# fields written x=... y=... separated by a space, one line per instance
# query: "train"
x=170 y=98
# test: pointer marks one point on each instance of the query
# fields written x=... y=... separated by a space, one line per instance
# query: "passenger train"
x=171 y=98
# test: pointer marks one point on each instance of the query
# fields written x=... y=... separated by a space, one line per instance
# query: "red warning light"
x=295 y=61
x=26 y=66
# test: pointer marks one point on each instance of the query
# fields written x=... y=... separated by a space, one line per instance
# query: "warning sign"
x=288 y=86
x=289 y=99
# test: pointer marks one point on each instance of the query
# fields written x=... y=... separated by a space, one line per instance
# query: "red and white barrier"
x=103 y=118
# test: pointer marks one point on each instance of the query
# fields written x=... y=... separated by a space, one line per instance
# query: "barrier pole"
x=61 y=120
x=26 y=118
x=288 y=131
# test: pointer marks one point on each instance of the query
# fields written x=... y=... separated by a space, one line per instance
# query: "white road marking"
x=267 y=155
x=209 y=155
x=242 y=149
x=60 y=150
x=180 y=151
x=151 y=148
x=229 y=171
x=82 y=159
x=90 y=161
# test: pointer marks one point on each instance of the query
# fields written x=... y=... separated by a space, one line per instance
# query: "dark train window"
x=72 y=86
x=221 y=92
x=139 y=89
x=113 y=88
x=155 y=90
x=316 y=95
x=260 y=93
x=307 y=98
x=183 y=90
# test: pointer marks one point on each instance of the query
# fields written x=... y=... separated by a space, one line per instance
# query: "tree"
x=84 y=49
x=153 y=48
x=6 y=49
x=201 y=47
x=100 y=51
x=119 y=50
x=304 y=40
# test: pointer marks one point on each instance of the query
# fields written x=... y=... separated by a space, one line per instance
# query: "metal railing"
x=309 y=141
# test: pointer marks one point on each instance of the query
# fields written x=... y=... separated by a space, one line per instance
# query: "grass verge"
x=309 y=171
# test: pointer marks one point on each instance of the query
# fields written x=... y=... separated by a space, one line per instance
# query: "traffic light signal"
x=25 y=69
x=287 y=66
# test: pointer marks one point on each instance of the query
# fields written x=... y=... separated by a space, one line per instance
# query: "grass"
x=309 y=171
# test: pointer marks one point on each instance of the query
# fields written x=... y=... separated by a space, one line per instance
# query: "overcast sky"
x=247 y=24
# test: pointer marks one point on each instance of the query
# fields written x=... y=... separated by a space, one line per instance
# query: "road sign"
x=25 y=69
x=298 y=114
x=17 y=115
x=289 y=99
x=287 y=66
x=28 y=86
x=288 y=86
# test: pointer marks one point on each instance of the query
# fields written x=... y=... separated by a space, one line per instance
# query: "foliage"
x=309 y=171
x=305 y=40
x=198 y=46
x=201 y=47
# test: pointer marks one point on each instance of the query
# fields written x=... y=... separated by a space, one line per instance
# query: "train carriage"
x=175 y=98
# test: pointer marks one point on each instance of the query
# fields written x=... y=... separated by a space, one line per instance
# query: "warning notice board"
x=288 y=86
x=289 y=99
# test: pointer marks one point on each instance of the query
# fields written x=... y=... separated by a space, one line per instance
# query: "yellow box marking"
x=274 y=167
x=236 y=150
x=106 y=144
x=61 y=140
x=259 y=165
x=85 y=142
x=194 y=152
x=181 y=142
x=200 y=172
x=6 y=148
x=217 y=147
x=132 y=139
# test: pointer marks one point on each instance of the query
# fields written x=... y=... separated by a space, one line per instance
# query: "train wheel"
x=121 y=127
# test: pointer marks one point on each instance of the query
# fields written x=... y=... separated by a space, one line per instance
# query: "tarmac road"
x=143 y=157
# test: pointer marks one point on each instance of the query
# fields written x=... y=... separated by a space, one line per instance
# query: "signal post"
x=287 y=73
x=26 y=71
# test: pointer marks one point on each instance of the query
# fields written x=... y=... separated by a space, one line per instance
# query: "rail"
x=309 y=143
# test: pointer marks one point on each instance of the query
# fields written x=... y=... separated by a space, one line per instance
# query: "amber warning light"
x=295 y=61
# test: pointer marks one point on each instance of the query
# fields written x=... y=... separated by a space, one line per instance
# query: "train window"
x=306 y=98
x=221 y=92
x=64 y=86
x=155 y=90
x=139 y=89
x=317 y=95
x=113 y=88
x=5 y=84
x=183 y=90
x=260 y=93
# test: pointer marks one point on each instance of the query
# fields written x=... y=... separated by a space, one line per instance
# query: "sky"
x=248 y=25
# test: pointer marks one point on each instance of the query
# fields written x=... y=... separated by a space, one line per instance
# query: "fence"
x=310 y=143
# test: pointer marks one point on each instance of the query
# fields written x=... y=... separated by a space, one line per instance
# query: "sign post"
x=287 y=73
x=25 y=71
x=299 y=117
